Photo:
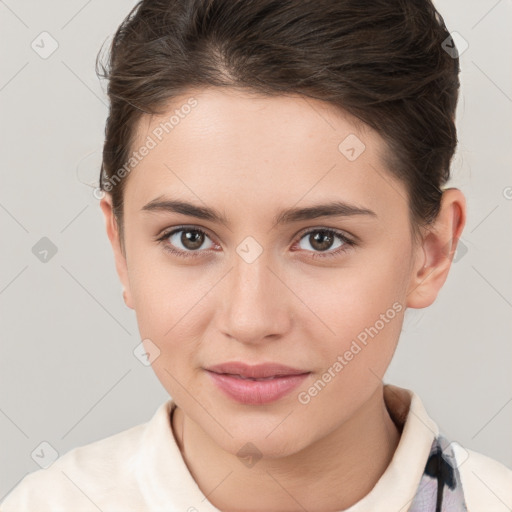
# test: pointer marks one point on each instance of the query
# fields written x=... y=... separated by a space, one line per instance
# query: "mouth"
x=261 y=371
x=257 y=389
x=252 y=378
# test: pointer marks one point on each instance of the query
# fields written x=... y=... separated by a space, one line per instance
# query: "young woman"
x=274 y=190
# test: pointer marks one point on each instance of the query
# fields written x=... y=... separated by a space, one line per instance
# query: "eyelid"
x=168 y=231
x=348 y=240
x=179 y=227
x=339 y=232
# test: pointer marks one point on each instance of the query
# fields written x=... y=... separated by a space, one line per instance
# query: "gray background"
x=68 y=375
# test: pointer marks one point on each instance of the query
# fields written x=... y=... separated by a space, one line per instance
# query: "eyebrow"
x=288 y=216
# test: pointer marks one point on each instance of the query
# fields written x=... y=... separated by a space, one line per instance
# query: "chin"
x=258 y=444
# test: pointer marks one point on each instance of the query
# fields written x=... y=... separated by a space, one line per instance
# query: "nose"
x=256 y=303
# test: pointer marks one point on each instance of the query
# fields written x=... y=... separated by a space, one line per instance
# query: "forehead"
x=221 y=144
x=243 y=120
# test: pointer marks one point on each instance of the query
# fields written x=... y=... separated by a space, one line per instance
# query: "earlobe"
x=127 y=299
x=115 y=241
x=435 y=255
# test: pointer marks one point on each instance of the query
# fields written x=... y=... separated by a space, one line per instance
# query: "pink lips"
x=237 y=380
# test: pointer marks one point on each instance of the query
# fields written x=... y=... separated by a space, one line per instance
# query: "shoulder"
x=92 y=470
x=487 y=483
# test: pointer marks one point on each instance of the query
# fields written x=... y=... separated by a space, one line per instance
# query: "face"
x=325 y=294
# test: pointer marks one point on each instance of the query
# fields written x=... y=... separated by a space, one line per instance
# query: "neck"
x=350 y=459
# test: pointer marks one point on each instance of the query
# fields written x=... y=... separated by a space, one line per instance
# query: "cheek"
x=163 y=291
x=356 y=294
x=171 y=314
x=171 y=310
x=172 y=305
x=361 y=310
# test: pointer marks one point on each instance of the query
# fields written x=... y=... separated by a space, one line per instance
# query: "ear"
x=435 y=253
x=115 y=240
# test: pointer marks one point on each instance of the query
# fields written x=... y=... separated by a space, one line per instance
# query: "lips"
x=250 y=391
x=262 y=371
x=256 y=384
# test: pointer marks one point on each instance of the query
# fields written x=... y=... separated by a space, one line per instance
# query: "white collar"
x=167 y=484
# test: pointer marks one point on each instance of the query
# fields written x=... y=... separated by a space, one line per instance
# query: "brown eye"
x=185 y=241
x=322 y=240
x=191 y=239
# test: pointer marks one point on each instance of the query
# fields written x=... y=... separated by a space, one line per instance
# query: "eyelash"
x=347 y=243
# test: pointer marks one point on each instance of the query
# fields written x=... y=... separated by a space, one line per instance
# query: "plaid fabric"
x=440 y=488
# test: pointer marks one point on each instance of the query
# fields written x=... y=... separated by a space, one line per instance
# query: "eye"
x=187 y=240
x=321 y=239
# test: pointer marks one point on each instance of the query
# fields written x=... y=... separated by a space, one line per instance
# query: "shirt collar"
x=166 y=482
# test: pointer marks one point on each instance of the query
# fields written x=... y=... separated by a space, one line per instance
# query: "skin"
x=250 y=157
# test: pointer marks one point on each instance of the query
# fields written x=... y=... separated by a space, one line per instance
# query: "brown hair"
x=382 y=61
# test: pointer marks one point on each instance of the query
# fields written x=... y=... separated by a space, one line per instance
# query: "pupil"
x=322 y=246
x=192 y=241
